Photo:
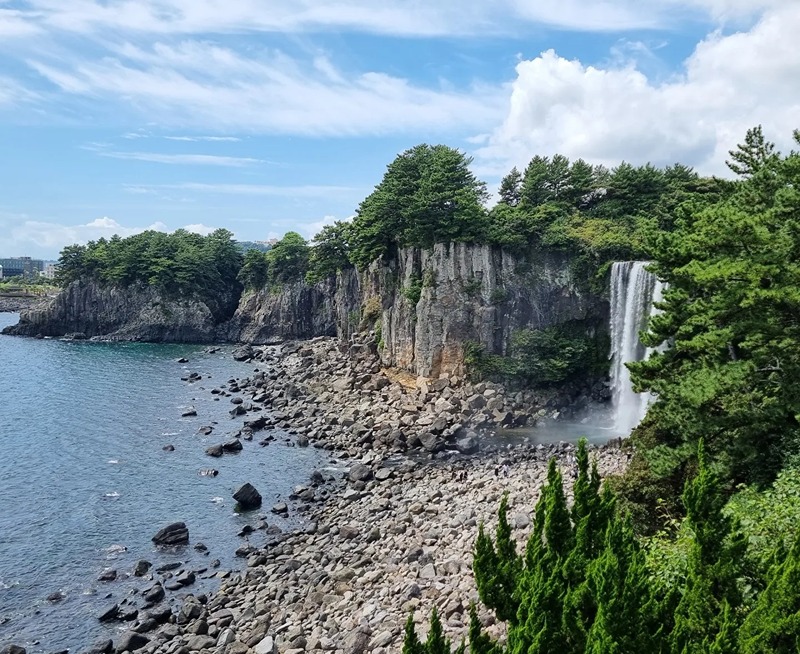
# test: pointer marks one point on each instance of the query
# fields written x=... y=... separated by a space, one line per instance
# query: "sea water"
x=85 y=481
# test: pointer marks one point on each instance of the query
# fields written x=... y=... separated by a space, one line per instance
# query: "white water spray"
x=633 y=292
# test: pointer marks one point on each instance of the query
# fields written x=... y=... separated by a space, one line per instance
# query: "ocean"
x=85 y=481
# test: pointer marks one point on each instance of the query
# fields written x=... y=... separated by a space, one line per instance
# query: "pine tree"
x=751 y=155
x=511 y=188
x=412 y=644
x=542 y=587
x=773 y=625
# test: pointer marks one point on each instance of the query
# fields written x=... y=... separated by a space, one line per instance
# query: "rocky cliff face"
x=139 y=313
x=427 y=304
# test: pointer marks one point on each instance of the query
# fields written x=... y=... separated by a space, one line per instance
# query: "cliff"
x=427 y=304
x=424 y=306
x=139 y=313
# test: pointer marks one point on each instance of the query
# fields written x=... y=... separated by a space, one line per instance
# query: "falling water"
x=633 y=291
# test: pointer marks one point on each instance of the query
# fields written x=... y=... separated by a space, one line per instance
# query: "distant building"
x=49 y=270
x=21 y=267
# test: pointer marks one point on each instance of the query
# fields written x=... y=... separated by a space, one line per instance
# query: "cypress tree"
x=479 y=642
x=497 y=568
x=436 y=643
x=412 y=644
x=714 y=564
x=773 y=626
x=542 y=588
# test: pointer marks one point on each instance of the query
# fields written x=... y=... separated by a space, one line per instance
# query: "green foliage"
x=413 y=291
x=288 y=259
x=181 y=263
x=412 y=644
x=773 y=626
x=770 y=517
x=428 y=195
x=730 y=313
x=543 y=357
x=329 y=252
x=499 y=296
x=255 y=270
x=497 y=567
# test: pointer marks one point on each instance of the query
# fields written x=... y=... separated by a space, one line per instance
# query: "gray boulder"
x=248 y=497
x=175 y=534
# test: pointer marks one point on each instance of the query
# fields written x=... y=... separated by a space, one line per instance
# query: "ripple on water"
x=84 y=482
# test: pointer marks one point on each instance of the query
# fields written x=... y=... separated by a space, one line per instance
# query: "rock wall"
x=466 y=293
x=471 y=293
x=140 y=313
x=425 y=305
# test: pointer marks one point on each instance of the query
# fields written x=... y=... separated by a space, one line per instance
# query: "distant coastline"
x=11 y=303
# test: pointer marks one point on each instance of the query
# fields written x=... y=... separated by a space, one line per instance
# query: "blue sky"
x=268 y=116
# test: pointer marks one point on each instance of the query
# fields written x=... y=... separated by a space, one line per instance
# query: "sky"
x=265 y=116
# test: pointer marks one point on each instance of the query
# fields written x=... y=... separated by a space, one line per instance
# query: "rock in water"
x=131 y=641
x=175 y=534
x=247 y=497
x=12 y=649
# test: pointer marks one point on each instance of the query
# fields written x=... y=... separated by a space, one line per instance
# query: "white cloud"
x=180 y=159
x=246 y=189
x=730 y=83
x=208 y=86
x=200 y=228
x=40 y=238
x=203 y=138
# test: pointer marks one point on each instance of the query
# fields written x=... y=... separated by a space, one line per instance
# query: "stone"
x=248 y=497
x=280 y=508
x=108 y=574
x=130 y=641
x=109 y=614
x=175 y=534
x=430 y=442
x=214 y=450
x=468 y=445
x=360 y=472
x=12 y=649
x=104 y=646
x=243 y=353
x=234 y=445
x=266 y=646
x=188 y=413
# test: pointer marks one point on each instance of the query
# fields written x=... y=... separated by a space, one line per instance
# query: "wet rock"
x=154 y=594
x=130 y=641
x=58 y=596
x=243 y=353
x=214 y=450
x=175 y=534
x=206 y=430
x=248 y=497
x=108 y=575
x=182 y=360
x=109 y=614
x=188 y=413
x=12 y=649
x=168 y=448
x=234 y=445
x=104 y=646
x=280 y=508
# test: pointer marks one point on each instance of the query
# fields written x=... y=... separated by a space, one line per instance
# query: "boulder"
x=154 y=594
x=468 y=444
x=188 y=413
x=360 y=472
x=130 y=641
x=430 y=442
x=214 y=450
x=243 y=353
x=105 y=646
x=175 y=534
x=234 y=445
x=12 y=649
x=248 y=497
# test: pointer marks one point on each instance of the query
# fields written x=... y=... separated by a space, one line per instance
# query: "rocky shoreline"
x=17 y=303
x=387 y=530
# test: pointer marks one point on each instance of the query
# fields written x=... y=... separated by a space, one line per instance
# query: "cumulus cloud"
x=730 y=83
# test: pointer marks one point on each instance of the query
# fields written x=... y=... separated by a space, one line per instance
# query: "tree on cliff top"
x=427 y=195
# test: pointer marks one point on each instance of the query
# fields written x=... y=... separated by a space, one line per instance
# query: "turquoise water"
x=83 y=475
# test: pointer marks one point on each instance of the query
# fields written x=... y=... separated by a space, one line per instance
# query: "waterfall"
x=633 y=291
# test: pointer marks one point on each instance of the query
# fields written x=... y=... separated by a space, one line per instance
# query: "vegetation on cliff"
x=181 y=263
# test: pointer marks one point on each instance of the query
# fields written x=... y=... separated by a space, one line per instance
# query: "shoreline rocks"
x=174 y=534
